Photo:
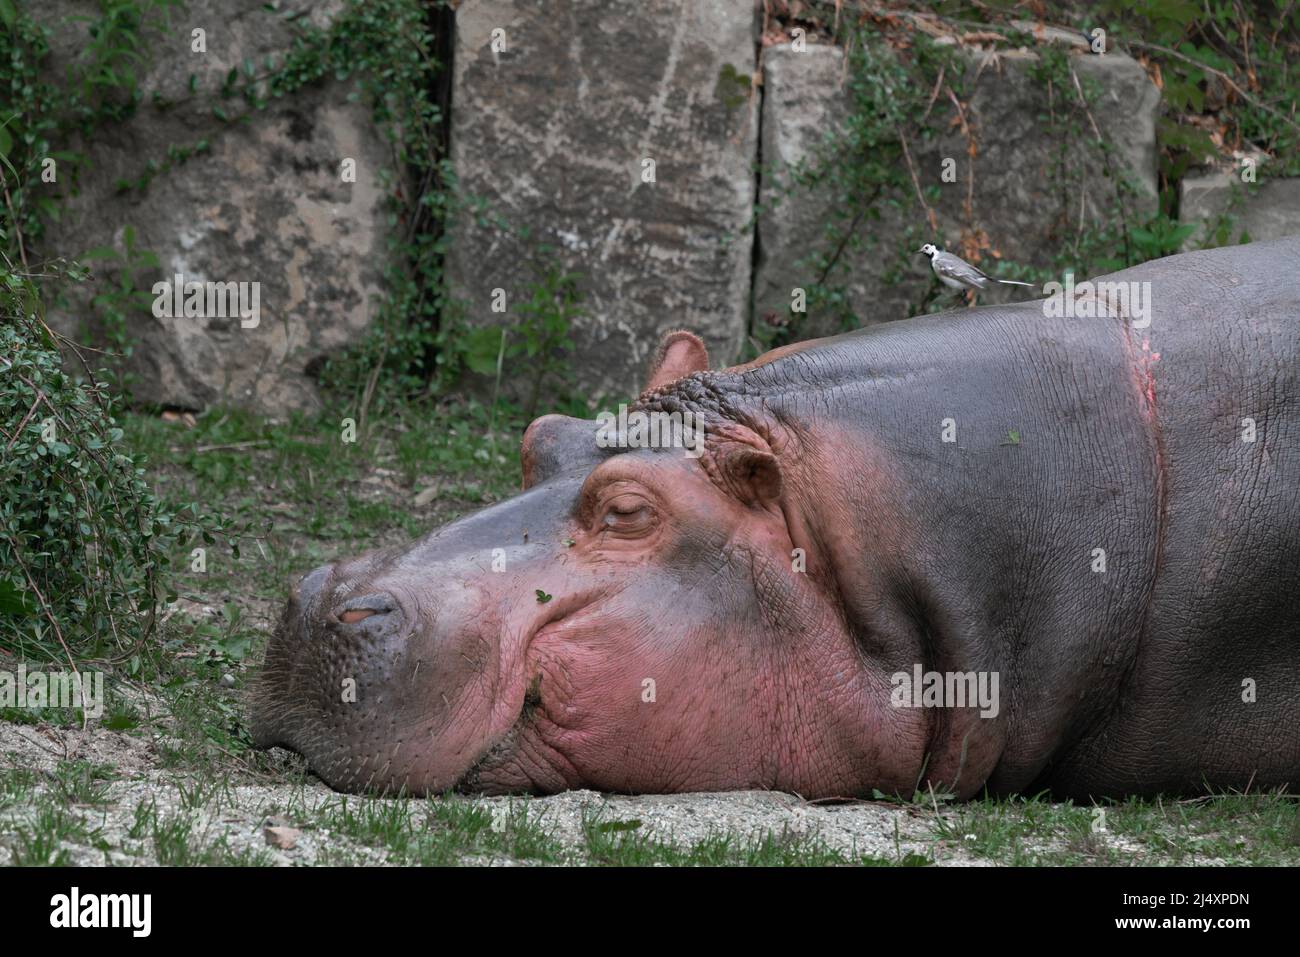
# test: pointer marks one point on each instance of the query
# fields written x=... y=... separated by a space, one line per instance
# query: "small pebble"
x=285 y=838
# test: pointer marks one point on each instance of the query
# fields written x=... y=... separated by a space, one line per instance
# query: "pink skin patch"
x=1148 y=359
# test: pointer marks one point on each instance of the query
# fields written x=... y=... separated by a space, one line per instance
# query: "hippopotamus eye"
x=628 y=515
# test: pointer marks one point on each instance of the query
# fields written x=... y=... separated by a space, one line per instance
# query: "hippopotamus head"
x=636 y=619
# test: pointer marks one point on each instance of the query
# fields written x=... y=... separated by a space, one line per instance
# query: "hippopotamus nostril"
x=356 y=614
x=365 y=606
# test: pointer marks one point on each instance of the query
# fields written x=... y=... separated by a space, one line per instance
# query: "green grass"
x=177 y=842
x=38 y=838
x=83 y=782
x=440 y=832
x=118 y=713
x=1253 y=829
x=450 y=830
x=297 y=495
x=235 y=457
x=627 y=843
x=54 y=717
x=184 y=839
x=1235 y=829
x=16 y=787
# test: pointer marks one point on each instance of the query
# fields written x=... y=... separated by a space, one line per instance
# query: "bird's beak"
x=921 y=250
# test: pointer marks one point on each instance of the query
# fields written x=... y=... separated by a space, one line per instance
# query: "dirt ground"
x=240 y=814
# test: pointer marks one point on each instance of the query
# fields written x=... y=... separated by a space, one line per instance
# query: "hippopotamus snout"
x=351 y=652
x=398 y=669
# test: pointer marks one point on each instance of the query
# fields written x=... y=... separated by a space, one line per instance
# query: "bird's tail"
x=1013 y=282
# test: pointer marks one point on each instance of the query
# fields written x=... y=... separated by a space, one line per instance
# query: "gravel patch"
x=233 y=815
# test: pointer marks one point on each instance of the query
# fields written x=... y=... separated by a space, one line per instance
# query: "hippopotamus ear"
x=741 y=463
x=680 y=353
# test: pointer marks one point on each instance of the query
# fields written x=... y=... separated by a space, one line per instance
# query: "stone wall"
x=558 y=108
x=1013 y=197
x=266 y=203
x=1266 y=209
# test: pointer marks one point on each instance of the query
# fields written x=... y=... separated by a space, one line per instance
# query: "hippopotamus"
x=1089 y=509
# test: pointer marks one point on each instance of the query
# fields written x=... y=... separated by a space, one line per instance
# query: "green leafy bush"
x=83 y=541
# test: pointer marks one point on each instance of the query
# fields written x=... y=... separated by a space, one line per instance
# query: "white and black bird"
x=956 y=273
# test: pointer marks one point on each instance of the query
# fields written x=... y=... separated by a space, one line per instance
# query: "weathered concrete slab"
x=552 y=128
x=266 y=203
x=1268 y=209
x=1015 y=197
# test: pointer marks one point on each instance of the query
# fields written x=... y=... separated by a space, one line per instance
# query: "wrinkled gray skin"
x=1175 y=668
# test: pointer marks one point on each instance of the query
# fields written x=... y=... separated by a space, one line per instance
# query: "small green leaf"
x=13 y=600
x=120 y=722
